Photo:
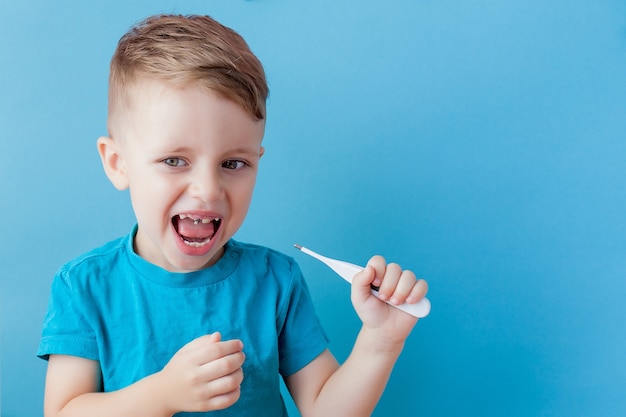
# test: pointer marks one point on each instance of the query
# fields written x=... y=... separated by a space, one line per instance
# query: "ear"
x=112 y=162
x=262 y=152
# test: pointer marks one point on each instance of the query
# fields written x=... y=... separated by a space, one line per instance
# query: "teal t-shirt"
x=112 y=306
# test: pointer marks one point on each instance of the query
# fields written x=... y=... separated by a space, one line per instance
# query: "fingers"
x=227 y=363
x=208 y=348
x=395 y=284
x=418 y=292
x=205 y=374
x=223 y=391
x=379 y=265
x=220 y=377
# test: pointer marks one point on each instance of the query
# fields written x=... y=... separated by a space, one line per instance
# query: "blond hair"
x=183 y=51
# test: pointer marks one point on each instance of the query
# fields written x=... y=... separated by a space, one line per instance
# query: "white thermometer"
x=347 y=271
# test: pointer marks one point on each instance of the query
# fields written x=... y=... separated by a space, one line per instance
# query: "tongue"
x=189 y=229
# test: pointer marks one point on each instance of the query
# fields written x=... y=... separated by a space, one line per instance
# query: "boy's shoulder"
x=259 y=257
x=97 y=258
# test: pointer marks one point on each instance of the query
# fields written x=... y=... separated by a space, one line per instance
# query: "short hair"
x=183 y=51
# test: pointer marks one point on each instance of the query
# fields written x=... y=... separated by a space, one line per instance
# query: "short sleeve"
x=66 y=330
x=301 y=338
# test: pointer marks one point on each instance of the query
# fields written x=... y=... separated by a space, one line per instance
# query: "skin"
x=184 y=151
x=188 y=151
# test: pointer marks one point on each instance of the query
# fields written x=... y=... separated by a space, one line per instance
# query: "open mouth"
x=196 y=231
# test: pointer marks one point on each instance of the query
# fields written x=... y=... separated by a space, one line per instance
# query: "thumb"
x=215 y=337
x=361 y=284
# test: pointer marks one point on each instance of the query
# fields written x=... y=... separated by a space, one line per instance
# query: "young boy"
x=177 y=316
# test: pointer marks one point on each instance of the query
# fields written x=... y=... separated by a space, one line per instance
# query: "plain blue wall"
x=480 y=143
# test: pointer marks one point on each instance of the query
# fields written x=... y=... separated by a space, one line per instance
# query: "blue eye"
x=174 y=162
x=233 y=164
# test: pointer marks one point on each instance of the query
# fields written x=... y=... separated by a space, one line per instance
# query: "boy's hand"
x=397 y=286
x=204 y=375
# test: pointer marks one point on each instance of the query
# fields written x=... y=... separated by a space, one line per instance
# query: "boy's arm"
x=73 y=385
x=203 y=375
x=324 y=388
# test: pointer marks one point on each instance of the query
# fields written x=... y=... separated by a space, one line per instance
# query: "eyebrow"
x=178 y=149
x=238 y=150
x=246 y=151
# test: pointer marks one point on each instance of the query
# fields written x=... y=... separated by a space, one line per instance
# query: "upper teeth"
x=198 y=220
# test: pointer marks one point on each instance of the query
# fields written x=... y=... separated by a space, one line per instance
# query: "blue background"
x=479 y=143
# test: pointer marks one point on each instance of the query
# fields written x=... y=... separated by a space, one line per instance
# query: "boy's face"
x=190 y=159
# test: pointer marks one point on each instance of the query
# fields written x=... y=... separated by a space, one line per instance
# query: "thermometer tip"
x=299 y=247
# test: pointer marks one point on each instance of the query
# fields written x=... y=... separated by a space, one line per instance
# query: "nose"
x=206 y=185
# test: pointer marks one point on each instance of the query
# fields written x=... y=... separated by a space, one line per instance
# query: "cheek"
x=143 y=206
x=151 y=184
x=241 y=198
x=148 y=197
